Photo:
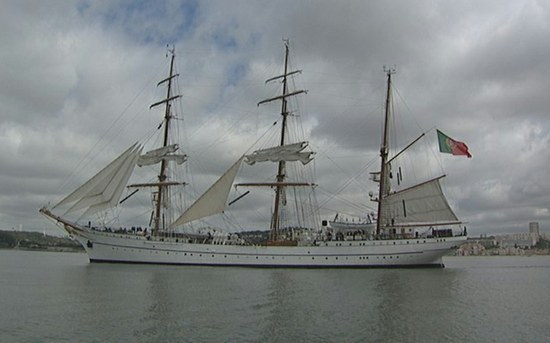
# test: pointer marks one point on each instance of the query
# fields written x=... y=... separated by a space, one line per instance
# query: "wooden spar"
x=165 y=101
x=284 y=75
x=418 y=185
x=384 y=154
x=68 y=225
x=281 y=97
x=128 y=196
x=275 y=184
x=156 y=184
x=238 y=198
x=407 y=147
x=167 y=79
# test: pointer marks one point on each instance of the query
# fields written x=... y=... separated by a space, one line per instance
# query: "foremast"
x=160 y=197
x=281 y=168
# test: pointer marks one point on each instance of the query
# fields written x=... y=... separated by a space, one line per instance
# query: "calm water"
x=49 y=296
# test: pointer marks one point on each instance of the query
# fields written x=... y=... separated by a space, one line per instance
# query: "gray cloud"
x=75 y=75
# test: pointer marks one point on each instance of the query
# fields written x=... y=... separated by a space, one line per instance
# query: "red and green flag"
x=450 y=146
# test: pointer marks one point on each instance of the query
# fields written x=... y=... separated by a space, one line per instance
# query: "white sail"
x=105 y=188
x=423 y=203
x=289 y=153
x=214 y=200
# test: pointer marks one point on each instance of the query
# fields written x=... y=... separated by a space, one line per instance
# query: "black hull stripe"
x=309 y=266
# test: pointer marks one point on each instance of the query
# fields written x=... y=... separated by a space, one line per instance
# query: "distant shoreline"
x=46 y=249
x=35 y=241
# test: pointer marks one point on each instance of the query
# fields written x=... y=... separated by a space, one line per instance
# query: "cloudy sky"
x=74 y=78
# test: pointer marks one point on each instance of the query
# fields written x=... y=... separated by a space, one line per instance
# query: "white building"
x=521 y=240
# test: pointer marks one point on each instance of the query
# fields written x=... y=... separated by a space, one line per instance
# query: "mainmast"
x=158 y=197
x=281 y=170
x=382 y=192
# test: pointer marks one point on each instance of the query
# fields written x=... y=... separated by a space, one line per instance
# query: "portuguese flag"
x=450 y=146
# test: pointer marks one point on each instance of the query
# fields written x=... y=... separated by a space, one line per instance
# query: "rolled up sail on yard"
x=289 y=153
x=164 y=153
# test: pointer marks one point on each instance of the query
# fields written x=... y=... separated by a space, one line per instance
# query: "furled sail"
x=104 y=190
x=214 y=200
x=164 y=153
x=289 y=153
x=145 y=160
x=424 y=203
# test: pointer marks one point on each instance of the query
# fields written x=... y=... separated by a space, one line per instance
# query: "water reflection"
x=414 y=304
x=50 y=297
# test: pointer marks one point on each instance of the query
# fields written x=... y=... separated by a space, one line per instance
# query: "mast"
x=281 y=169
x=158 y=217
x=384 y=152
x=282 y=164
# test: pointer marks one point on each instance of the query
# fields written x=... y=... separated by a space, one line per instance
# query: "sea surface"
x=61 y=297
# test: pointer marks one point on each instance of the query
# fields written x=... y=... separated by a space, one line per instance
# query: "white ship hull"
x=109 y=247
x=344 y=244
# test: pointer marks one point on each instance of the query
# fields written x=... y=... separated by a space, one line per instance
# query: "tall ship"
x=412 y=227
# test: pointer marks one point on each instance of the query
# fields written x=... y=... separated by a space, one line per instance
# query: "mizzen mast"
x=281 y=169
x=383 y=189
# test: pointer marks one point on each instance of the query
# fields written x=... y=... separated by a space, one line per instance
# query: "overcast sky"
x=477 y=70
